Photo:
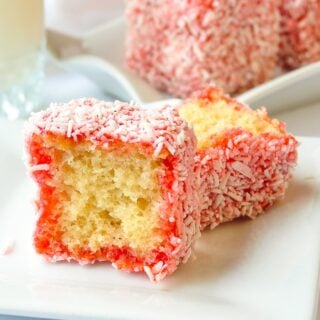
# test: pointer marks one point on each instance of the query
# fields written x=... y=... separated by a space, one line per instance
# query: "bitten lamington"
x=245 y=158
x=116 y=183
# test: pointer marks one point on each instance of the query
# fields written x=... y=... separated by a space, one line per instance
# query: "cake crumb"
x=7 y=248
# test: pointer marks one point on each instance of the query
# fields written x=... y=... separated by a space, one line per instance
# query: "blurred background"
x=85 y=58
x=76 y=17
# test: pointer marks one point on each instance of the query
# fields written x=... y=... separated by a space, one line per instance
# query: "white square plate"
x=262 y=269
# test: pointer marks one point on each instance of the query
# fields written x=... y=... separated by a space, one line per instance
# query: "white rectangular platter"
x=262 y=269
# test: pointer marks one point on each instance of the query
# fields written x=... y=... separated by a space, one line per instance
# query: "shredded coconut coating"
x=183 y=45
x=242 y=174
x=300 y=32
x=158 y=133
x=101 y=123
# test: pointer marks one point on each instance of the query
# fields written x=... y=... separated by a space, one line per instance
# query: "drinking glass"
x=22 y=50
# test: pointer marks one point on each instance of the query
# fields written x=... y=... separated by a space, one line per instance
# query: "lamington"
x=299 y=33
x=116 y=183
x=245 y=158
x=180 y=46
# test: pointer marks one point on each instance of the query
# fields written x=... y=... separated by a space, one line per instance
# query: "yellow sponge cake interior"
x=211 y=118
x=106 y=197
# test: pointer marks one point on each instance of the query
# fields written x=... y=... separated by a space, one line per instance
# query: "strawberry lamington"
x=180 y=46
x=245 y=158
x=116 y=183
x=300 y=32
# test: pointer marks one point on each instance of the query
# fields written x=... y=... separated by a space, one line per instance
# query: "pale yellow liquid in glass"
x=21 y=37
x=21 y=27
x=22 y=40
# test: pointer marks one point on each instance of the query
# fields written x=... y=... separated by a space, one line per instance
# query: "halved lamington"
x=116 y=183
x=244 y=157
